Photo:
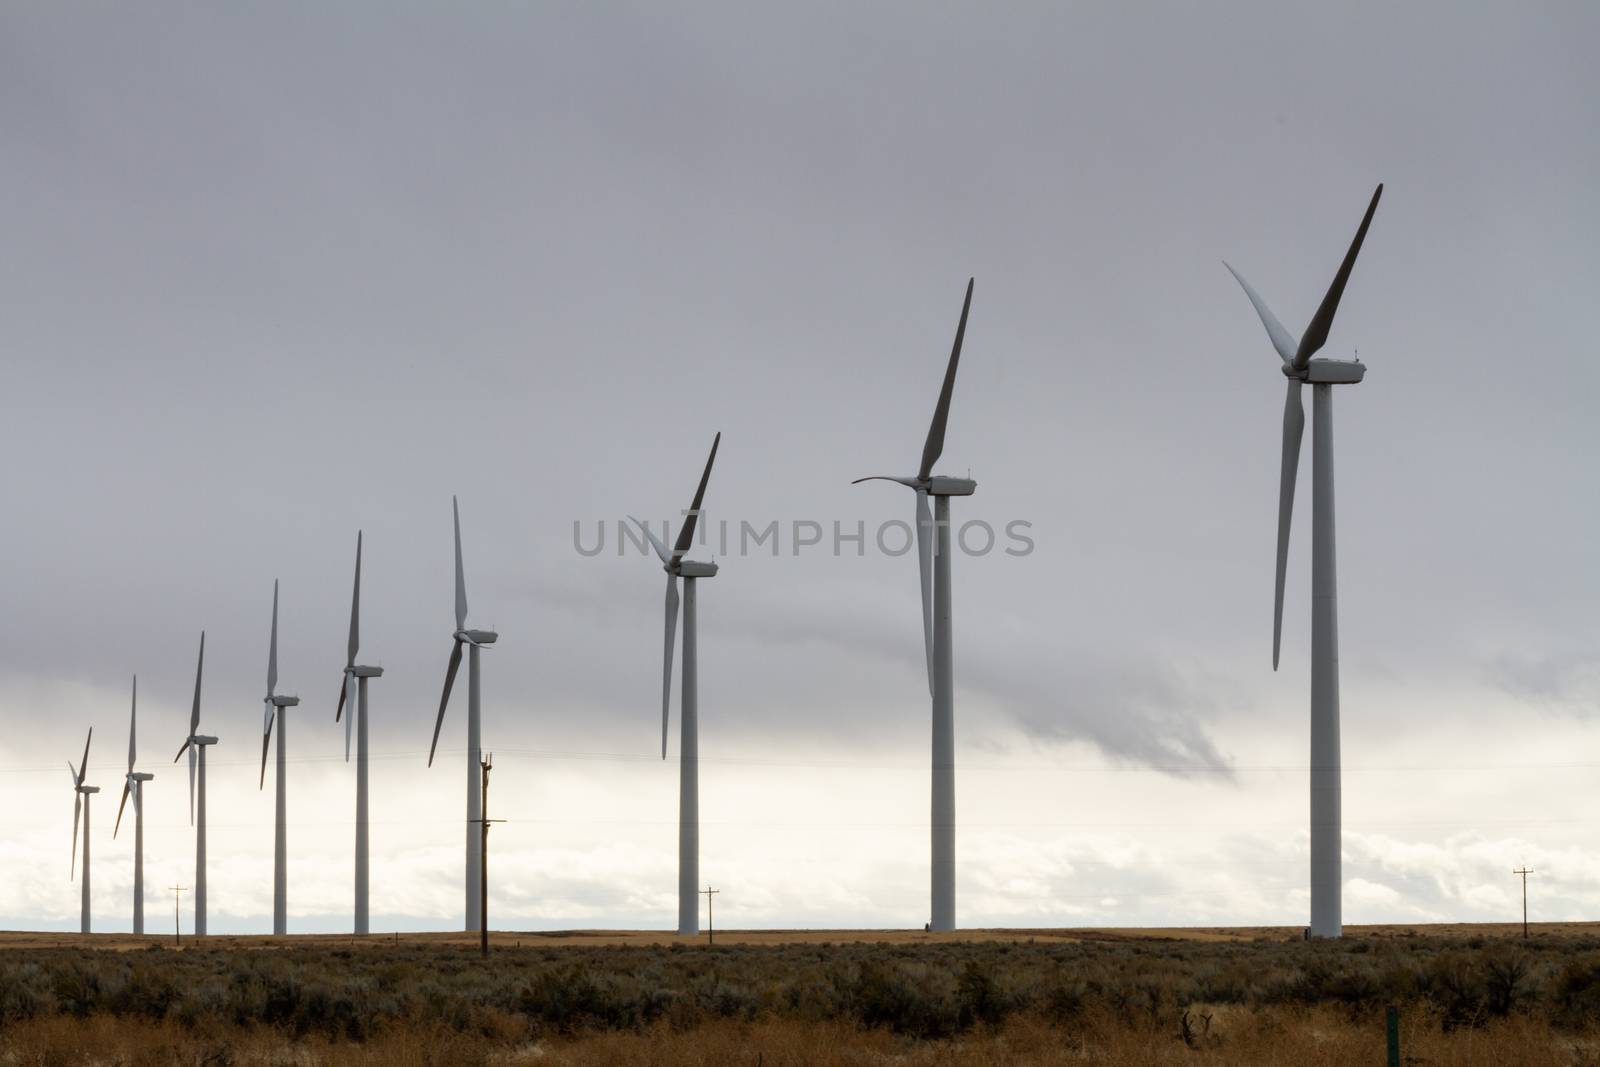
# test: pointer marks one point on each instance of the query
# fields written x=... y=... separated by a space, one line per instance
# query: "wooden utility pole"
x=177 y=895
x=711 y=925
x=483 y=869
x=1524 y=871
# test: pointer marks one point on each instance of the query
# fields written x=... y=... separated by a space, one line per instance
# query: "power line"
x=1524 y=871
x=711 y=921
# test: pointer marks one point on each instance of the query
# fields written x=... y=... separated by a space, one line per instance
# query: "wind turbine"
x=354 y=693
x=689 y=731
x=196 y=744
x=1299 y=368
x=80 y=806
x=475 y=640
x=133 y=785
x=933 y=560
x=280 y=836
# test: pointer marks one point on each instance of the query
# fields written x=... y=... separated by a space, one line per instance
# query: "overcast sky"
x=272 y=274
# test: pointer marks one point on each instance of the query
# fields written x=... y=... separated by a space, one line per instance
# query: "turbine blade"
x=126 y=787
x=925 y=564
x=1317 y=332
x=1294 y=424
x=655 y=542
x=444 y=698
x=354 y=643
x=77 y=810
x=1280 y=337
x=910 y=483
x=194 y=711
x=85 y=764
x=181 y=751
x=934 y=446
x=343 y=686
x=272 y=649
x=666 y=658
x=266 y=740
x=686 y=534
x=136 y=803
x=192 y=750
x=349 y=698
x=133 y=726
x=461 y=578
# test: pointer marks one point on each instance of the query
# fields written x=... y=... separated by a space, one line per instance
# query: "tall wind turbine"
x=354 y=693
x=196 y=744
x=1299 y=368
x=689 y=730
x=280 y=836
x=133 y=785
x=475 y=640
x=933 y=560
x=80 y=806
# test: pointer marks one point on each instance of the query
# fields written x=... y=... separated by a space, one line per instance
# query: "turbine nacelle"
x=942 y=486
x=364 y=672
x=1329 y=372
x=477 y=637
x=283 y=702
x=141 y=776
x=201 y=739
x=688 y=568
x=88 y=789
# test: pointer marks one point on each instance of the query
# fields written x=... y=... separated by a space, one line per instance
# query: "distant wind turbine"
x=933 y=560
x=196 y=744
x=1299 y=368
x=276 y=706
x=475 y=640
x=689 y=731
x=133 y=785
x=80 y=806
x=354 y=693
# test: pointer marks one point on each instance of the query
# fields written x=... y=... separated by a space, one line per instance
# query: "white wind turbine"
x=80 y=806
x=280 y=835
x=689 y=730
x=475 y=640
x=133 y=785
x=196 y=744
x=1323 y=374
x=354 y=693
x=933 y=559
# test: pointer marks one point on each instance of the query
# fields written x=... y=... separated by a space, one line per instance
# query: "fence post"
x=1392 y=1020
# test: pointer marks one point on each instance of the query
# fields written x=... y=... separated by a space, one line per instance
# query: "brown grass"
x=1221 y=996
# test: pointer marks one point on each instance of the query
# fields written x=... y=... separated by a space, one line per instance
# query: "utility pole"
x=1524 y=871
x=711 y=926
x=177 y=895
x=483 y=868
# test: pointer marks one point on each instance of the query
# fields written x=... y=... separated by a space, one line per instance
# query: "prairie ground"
x=1465 y=995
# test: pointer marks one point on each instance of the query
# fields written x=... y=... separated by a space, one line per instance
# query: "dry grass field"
x=1466 y=995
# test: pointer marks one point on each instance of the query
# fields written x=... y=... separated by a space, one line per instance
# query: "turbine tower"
x=1299 y=368
x=689 y=730
x=196 y=744
x=933 y=560
x=354 y=693
x=280 y=837
x=133 y=785
x=475 y=640
x=80 y=806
